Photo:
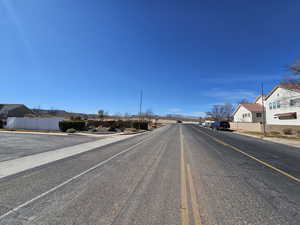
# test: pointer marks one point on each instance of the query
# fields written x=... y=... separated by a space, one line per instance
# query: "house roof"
x=252 y=107
x=264 y=95
x=4 y=108
x=289 y=86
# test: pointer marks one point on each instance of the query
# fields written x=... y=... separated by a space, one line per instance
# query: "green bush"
x=119 y=124
x=143 y=125
x=275 y=133
x=1 y=124
x=71 y=130
x=287 y=131
x=64 y=125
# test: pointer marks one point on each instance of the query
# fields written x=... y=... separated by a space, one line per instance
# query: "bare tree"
x=101 y=114
x=228 y=111
x=295 y=68
x=292 y=78
x=221 y=112
x=149 y=114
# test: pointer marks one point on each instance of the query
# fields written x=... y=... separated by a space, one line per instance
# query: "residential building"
x=283 y=105
x=250 y=113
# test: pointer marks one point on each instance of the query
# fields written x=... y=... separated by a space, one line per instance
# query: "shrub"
x=64 y=125
x=1 y=124
x=275 y=133
x=298 y=133
x=143 y=125
x=287 y=131
x=71 y=130
x=119 y=124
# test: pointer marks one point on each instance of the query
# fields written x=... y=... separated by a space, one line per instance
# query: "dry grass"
x=273 y=134
x=253 y=133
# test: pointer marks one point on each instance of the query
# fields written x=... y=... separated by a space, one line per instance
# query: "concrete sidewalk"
x=14 y=166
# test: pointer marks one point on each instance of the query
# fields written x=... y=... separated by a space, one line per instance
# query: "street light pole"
x=263 y=111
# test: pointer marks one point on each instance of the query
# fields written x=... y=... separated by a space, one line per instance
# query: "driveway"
x=15 y=145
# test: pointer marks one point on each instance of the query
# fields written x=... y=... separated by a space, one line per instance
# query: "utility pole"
x=263 y=112
x=141 y=102
x=140 y=113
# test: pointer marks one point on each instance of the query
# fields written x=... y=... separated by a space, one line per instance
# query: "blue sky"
x=186 y=55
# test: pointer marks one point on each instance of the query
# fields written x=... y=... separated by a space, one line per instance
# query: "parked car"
x=220 y=125
x=179 y=121
x=207 y=124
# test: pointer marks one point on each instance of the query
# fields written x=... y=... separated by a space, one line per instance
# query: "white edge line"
x=70 y=180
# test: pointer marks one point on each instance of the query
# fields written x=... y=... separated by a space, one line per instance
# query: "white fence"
x=33 y=123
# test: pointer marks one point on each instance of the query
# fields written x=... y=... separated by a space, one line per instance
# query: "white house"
x=283 y=105
x=251 y=113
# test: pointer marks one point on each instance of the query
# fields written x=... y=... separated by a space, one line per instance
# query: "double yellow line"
x=186 y=170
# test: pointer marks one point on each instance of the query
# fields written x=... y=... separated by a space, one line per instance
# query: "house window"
x=278 y=104
x=274 y=105
x=258 y=114
x=248 y=114
x=292 y=102
x=270 y=105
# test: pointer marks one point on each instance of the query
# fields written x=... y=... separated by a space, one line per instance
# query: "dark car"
x=179 y=121
x=220 y=125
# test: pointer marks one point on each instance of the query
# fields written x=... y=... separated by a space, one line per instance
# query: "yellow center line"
x=254 y=158
x=195 y=206
x=184 y=201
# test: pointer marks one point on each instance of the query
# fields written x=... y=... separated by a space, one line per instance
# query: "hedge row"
x=140 y=125
x=113 y=124
x=64 y=125
x=120 y=124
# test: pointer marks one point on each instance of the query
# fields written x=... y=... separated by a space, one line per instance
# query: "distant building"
x=283 y=105
x=14 y=110
x=251 y=113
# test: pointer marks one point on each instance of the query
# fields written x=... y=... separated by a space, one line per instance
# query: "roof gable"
x=259 y=96
x=288 y=86
x=253 y=107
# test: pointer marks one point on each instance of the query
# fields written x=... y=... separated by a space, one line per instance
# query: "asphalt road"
x=15 y=145
x=180 y=174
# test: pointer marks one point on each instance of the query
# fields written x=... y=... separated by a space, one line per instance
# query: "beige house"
x=250 y=113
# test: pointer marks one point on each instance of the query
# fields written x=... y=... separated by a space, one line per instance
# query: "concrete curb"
x=291 y=143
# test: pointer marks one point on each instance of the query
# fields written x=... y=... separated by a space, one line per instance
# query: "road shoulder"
x=18 y=165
